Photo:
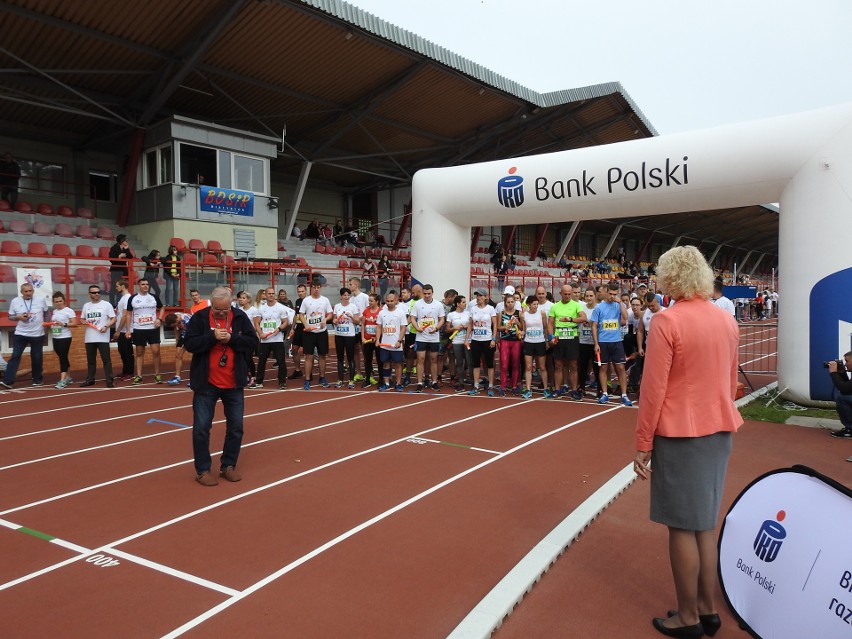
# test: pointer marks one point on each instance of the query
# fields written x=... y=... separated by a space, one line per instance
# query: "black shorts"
x=409 y=341
x=479 y=351
x=612 y=352
x=315 y=339
x=144 y=337
x=395 y=357
x=428 y=347
x=535 y=349
x=566 y=349
x=298 y=331
x=179 y=340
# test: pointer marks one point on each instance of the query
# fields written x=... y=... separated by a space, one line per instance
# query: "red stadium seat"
x=85 y=231
x=178 y=243
x=189 y=258
x=10 y=246
x=40 y=228
x=105 y=233
x=197 y=246
x=84 y=250
x=19 y=227
x=37 y=248
x=85 y=213
x=103 y=251
x=102 y=275
x=320 y=248
x=2 y=228
x=342 y=264
x=61 y=250
x=45 y=209
x=210 y=259
x=354 y=264
x=5 y=206
x=60 y=275
x=215 y=247
x=24 y=207
x=7 y=273
x=84 y=275
x=228 y=259
x=63 y=230
x=65 y=211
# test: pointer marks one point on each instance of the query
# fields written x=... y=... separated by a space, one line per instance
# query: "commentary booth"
x=803 y=161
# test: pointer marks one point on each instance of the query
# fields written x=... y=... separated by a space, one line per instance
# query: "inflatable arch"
x=803 y=161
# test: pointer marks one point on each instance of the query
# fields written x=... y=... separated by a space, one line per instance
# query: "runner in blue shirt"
x=607 y=319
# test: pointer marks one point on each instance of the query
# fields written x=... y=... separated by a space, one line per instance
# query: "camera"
x=841 y=365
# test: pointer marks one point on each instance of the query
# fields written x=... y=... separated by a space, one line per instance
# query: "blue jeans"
x=203 y=409
x=19 y=345
x=172 y=290
x=844 y=407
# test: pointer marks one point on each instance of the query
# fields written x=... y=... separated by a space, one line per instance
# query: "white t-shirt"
x=271 y=318
x=392 y=325
x=427 y=315
x=725 y=304
x=63 y=315
x=345 y=319
x=98 y=314
x=315 y=311
x=545 y=306
x=252 y=312
x=121 y=309
x=361 y=301
x=646 y=320
x=482 y=324
x=36 y=307
x=458 y=321
x=535 y=327
x=144 y=312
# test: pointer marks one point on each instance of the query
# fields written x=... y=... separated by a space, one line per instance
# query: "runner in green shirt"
x=563 y=331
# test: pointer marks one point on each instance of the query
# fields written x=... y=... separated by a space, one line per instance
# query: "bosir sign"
x=803 y=161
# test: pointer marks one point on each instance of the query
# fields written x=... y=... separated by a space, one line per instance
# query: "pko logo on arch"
x=510 y=190
x=769 y=538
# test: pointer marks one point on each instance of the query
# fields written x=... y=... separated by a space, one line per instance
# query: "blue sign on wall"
x=215 y=200
x=831 y=328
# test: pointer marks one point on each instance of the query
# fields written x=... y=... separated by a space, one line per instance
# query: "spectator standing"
x=384 y=272
x=10 y=175
x=99 y=317
x=152 y=270
x=246 y=306
x=119 y=260
x=28 y=312
x=221 y=339
x=171 y=273
x=368 y=274
x=62 y=317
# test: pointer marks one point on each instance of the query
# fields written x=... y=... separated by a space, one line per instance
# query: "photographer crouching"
x=842 y=393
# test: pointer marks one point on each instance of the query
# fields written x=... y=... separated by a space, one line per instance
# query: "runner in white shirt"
x=480 y=340
x=361 y=300
x=28 y=311
x=456 y=326
x=246 y=305
x=544 y=305
x=654 y=307
x=535 y=346
x=314 y=313
x=347 y=323
x=145 y=314
x=721 y=301
x=271 y=322
x=587 y=346
x=99 y=316
x=391 y=326
x=426 y=318
x=62 y=317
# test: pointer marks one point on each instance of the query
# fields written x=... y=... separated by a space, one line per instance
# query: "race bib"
x=145 y=320
x=480 y=330
x=269 y=325
x=389 y=330
x=56 y=330
x=534 y=332
x=370 y=329
x=426 y=322
x=315 y=319
x=610 y=325
x=586 y=331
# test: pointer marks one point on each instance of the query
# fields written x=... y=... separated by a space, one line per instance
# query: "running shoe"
x=136 y=380
x=62 y=383
x=340 y=384
x=295 y=375
x=358 y=377
x=158 y=379
x=548 y=394
x=473 y=391
x=282 y=386
x=527 y=393
x=502 y=392
x=626 y=401
x=365 y=384
x=490 y=391
x=406 y=380
x=436 y=386
x=69 y=381
x=373 y=381
x=174 y=381
x=324 y=382
x=383 y=387
x=352 y=384
x=603 y=399
x=576 y=395
x=419 y=388
x=843 y=433
x=399 y=388
x=38 y=383
x=5 y=385
x=306 y=385
x=256 y=385
x=560 y=392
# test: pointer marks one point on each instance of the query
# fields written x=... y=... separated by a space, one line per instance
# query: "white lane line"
x=189 y=461
x=353 y=531
x=417 y=440
x=180 y=574
x=88 y=405
x=142 y=437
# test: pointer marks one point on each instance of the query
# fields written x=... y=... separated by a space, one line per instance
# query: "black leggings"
x=369 y=353
x=345 y=344
x=587 y=354
x=62 y=347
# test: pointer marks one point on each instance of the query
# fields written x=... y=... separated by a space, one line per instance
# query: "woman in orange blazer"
x=686 y=420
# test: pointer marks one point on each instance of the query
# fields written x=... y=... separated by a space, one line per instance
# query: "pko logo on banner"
x=769 y=538
x=510 y=190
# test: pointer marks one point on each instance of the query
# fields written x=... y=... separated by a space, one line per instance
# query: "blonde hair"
x=685 y=274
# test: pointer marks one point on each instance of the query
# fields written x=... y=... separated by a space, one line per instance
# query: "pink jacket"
x=690 y=377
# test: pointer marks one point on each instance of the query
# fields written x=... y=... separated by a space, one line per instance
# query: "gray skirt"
x=687 y=480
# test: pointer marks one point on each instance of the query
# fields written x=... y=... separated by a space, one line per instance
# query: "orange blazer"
x=690 y=377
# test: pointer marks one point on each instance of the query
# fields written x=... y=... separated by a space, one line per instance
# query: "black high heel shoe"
x=683 y=632
x=711 y=623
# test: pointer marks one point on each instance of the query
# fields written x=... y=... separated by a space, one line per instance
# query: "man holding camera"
x=842 y=393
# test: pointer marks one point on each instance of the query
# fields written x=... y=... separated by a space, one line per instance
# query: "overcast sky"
x=687 y=65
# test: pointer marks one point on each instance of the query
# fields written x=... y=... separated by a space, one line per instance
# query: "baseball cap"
x=642 y=285
x=479 y=292
x=509 y=290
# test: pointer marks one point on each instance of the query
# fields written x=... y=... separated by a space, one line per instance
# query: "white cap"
x=509 y=290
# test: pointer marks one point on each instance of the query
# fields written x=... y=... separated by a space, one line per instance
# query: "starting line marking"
x=423 y=440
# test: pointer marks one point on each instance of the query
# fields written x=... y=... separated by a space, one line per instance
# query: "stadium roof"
x=366 y=102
